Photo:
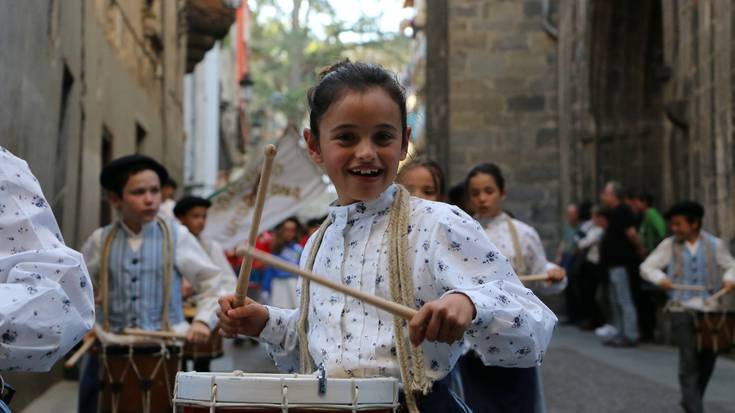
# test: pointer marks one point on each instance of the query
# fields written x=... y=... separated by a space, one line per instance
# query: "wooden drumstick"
x=716 y=296
x=383 y=304
x=535 y=277
x=87 y=344
x=685 y=287
x=154 y=334
x=244 y=279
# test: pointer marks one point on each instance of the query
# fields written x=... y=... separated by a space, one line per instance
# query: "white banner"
x=294 y=182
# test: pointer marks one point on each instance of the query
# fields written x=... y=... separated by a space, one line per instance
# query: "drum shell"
x=715 y=331
x=115 y=359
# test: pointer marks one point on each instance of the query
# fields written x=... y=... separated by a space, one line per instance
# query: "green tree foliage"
x=288 y=47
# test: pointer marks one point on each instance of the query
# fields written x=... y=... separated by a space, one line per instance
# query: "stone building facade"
x=86 y=81
x=495 y=99
x=646 y=96
x=565 y=95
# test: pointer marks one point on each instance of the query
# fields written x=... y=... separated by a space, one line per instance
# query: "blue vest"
x=136 y=280
x=697 y=269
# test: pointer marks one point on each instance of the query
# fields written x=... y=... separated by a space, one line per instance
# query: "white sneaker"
x=606 y=331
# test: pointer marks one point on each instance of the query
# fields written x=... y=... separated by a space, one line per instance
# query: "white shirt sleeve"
x=229 y=279
x=512 y=326
x=47 y=302
x=591 y=238
x=205 y=277
x=536 y=262
x=659 y=258
x=726 y=261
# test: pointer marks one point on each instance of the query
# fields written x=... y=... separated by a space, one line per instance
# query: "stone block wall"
x=502 y=103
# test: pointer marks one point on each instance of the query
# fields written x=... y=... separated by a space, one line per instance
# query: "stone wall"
x=502 y=103
x=83 y=78
x=657 y=117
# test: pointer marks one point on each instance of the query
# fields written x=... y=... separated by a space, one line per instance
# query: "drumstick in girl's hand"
x=244 y=278
x=383 y=304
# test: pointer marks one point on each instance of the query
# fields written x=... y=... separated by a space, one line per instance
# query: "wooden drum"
x=138 y=378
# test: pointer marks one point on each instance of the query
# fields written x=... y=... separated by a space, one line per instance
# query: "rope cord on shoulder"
x=167 y=275
x=401 y=289
x=518 y=264
x=105 y=278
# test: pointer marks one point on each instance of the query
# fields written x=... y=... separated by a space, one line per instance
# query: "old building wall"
x=659 y=117
x=502 y=103
x=85 y=83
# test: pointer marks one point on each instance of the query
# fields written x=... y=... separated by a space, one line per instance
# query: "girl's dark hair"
x=437 y=175
x=278 y=242
x=342 y=76
x=487 y=169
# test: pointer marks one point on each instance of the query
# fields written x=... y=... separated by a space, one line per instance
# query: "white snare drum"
x=251 y=392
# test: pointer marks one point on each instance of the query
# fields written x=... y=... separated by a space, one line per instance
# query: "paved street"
x=579 y=374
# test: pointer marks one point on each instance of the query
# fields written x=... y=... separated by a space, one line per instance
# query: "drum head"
x=241 y=389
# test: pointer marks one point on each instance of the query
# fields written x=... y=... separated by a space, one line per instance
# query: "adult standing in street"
x=619 y=254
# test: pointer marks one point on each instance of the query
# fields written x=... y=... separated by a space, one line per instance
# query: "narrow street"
x=579 y=375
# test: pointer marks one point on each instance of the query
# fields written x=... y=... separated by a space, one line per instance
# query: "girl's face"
x=289 y=231
x=486 y=199
x=420 y=183
x=360 y=144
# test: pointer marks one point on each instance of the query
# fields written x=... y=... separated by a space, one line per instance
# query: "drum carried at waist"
x=266 y=393
x=137 y=377
x=714 y=326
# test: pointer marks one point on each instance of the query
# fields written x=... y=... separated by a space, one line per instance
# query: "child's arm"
x=274 y=326
x=46 y=300
x=205 y=277
x=511 y=326
x=650 y=269
x=536 y=262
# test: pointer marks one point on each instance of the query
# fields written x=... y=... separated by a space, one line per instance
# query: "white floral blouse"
x=46 y=300
x=449 y=253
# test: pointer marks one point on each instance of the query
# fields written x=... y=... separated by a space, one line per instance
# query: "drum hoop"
x=285 y=404
x=338 y=407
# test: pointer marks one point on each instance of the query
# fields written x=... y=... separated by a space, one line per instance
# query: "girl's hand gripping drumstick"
x=383 y=304
x=244 y=279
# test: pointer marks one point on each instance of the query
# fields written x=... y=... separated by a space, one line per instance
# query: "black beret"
x=188 y=202
x=115 y=174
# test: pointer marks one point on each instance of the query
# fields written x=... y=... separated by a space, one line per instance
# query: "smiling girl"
x=428 y=255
